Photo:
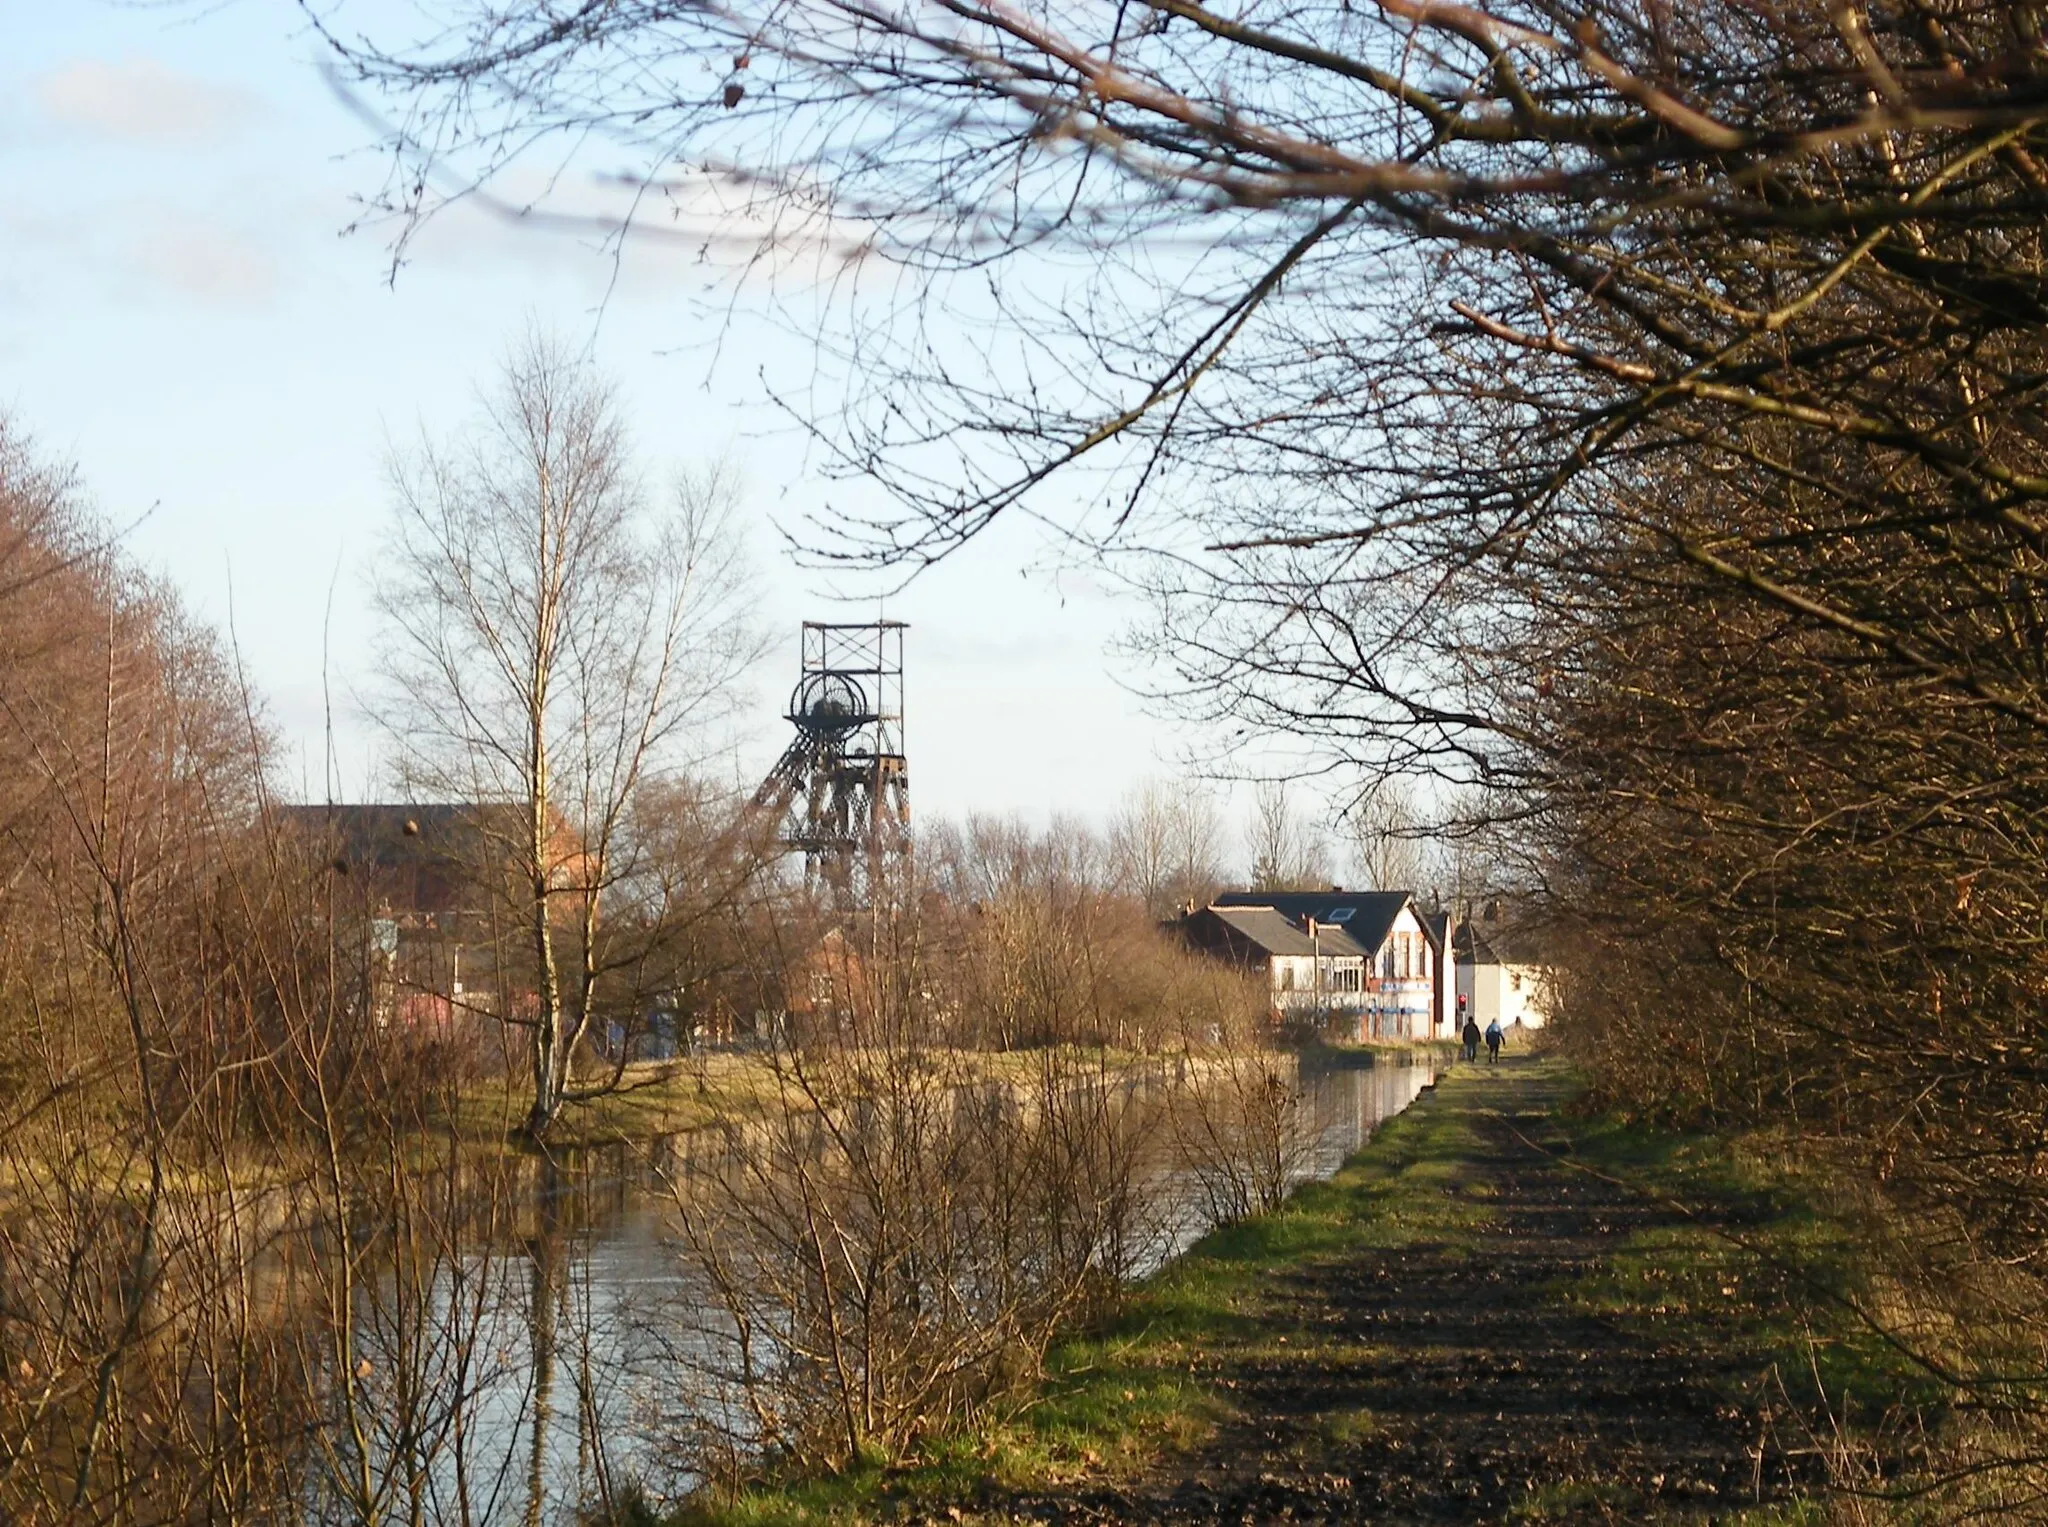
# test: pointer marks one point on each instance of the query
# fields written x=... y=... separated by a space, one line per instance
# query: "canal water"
x=577 y=1375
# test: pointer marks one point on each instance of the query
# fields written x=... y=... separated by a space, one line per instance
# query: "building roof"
x=387 y=835
x=1365 y=917
x=1498 y=945
x=1277 y=934
x=1468 y=947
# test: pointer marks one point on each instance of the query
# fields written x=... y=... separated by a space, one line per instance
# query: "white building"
x=1309 y=967
x=1364 y=962
x=1502 y=975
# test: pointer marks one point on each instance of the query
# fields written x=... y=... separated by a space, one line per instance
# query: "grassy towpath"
x=1496 y=1313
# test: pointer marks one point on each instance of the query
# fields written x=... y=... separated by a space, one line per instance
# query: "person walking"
x=1493 y=1038
x=1471 y=1038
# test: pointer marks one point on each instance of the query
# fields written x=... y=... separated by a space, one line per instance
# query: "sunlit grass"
x=1769 y=1269
x=657 y=1098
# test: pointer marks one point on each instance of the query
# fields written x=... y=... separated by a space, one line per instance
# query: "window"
x=1341 y=914
x=1287 y=976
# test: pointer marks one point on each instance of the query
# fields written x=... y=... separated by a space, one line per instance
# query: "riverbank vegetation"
x=1287 y=1360
x=282 y=1235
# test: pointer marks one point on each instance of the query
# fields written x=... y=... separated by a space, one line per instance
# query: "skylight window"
x=1340 y=914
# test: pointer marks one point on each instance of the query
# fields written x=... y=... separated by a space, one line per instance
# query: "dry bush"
x=1038 y=940
x=1236 y=1127
x=960 y=1161
x=890 y=1248
x=128 y=1041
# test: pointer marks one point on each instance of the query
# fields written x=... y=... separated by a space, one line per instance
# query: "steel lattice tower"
x=841 y=787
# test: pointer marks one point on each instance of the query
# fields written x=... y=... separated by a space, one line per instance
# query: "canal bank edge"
x=1232 y=1380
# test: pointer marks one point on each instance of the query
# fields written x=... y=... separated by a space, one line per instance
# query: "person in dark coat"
x=1471 y=1038
x=1494 y=1036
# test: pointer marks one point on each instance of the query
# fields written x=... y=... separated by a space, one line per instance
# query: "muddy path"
x=1461 y=1374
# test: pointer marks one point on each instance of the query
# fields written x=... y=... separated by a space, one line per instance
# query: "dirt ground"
x=1461 y=1380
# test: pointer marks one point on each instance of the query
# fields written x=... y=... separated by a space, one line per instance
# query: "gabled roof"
x=1365 y=917
x=1497 y=946
x=1276 y=934
x=1470 y=948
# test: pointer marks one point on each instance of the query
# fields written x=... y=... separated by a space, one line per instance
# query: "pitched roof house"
x=445 y=883
x=1362 y=961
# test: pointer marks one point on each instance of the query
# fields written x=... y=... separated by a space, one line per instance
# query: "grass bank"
x=1494 y=1306
x=1442 y=1051
x=656 y=1098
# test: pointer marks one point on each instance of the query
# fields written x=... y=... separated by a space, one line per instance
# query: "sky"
x=185 y=317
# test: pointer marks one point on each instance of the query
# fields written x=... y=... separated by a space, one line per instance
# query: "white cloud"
x=139 y=99
x=203 y=259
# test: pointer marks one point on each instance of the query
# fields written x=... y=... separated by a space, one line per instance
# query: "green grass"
x=1571 y=1497
x=1770 y=1268
x=656 y=1098
x=1444 y=1051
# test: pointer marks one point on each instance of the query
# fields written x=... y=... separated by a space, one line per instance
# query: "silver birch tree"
x=555 y=644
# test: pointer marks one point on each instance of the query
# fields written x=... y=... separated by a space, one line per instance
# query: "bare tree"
x=1165 y=844
x=1449 y=299
x=1286 y=850
x=1386 y=837
x=556 y=646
